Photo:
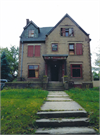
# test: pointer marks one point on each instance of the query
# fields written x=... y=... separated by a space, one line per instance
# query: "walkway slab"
x=66 y=130
x=58 y=96
x=59 y=99
x=57 y=93
x=69 y=106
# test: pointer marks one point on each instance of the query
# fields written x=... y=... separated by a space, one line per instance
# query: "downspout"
x=21 y=61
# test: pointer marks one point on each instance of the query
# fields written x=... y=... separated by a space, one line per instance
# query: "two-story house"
x=55 y=51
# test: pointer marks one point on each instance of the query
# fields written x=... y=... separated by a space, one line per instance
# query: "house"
x=56 y=52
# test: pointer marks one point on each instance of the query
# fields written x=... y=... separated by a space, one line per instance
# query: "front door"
x=54 y=72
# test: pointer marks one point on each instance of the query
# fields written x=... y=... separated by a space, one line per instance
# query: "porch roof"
x=55 y=56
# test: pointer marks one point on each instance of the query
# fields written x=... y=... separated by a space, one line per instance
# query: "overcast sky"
x=45 y=13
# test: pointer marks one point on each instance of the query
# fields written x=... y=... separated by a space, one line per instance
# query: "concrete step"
x=58 y=99
x=55 y=89
x=66 y=130
x=62 y=114
x=55 y=84
x=59 y=122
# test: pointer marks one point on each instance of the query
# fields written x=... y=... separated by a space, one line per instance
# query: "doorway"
x=54 y=71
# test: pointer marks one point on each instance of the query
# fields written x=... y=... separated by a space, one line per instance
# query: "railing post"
x=65 y=82
x=45 y=82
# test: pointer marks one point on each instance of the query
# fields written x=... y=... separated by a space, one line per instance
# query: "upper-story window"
x=75 y=49
x=31 y=33
x=33 y=51
x=67 y=32
x=54 y=47
x=71 y=49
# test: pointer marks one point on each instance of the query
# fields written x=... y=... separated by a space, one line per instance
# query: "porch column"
x=65 y=68
x=46 y=68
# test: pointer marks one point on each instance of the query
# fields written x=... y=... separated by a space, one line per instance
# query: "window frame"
x=72 y=49
x=52 y=47
x=76 y=68
x=33 y=69
x=30 y=32
x=66 y=30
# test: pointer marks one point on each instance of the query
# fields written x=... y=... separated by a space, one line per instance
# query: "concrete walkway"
x=61 y=115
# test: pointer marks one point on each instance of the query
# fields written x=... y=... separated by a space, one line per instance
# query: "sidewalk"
x=61 y=115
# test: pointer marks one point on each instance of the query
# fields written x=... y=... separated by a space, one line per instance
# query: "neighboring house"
x=55 y=51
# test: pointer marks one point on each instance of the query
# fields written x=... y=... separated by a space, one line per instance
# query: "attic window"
x=67 y=32
x=31 y=33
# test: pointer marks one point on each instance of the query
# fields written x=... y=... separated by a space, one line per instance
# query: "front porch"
x=55 y=66
x=55 y=70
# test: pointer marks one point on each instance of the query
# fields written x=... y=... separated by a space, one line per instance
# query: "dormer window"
x=67 y=32
x=31 y=33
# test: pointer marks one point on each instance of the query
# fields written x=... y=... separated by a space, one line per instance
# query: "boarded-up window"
x=37 y=50
x=30 y=51
x=79 y=49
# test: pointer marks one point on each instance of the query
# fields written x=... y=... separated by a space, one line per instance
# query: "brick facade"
x=63 y=48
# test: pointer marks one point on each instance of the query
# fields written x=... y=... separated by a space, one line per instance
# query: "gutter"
x=21 y=61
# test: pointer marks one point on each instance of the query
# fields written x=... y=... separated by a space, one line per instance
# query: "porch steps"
x=55 y=86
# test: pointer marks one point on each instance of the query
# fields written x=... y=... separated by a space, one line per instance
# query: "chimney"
x=27 y=21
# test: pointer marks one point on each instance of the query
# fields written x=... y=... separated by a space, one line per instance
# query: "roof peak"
x=66 y=15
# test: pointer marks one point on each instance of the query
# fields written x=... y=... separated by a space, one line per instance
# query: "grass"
x=89 y=100
x=19 y=108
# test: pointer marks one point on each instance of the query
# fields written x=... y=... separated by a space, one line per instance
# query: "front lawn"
x=89 y=100
x=19 y=108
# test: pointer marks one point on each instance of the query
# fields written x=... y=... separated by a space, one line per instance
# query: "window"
x=75 y=49
x=67 y=32
x=33 y=71
x=33 y=51
x=71 y=49
x=31 y=33
x=76 y=70
x=54 y=47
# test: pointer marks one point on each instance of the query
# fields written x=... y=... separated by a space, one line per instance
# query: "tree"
x=5 y=70
x=96 y=69
x=12 y=57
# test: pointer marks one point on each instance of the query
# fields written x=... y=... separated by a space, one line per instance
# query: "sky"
x=46 y=13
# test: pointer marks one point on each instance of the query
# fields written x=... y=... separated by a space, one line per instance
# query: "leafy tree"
x=12 y=57
x=96 y=75
x=5 y=70
x=97 y=61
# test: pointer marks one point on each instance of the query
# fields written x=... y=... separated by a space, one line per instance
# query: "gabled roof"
x=41 y=36
x=31 y=22
x=71 y=20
